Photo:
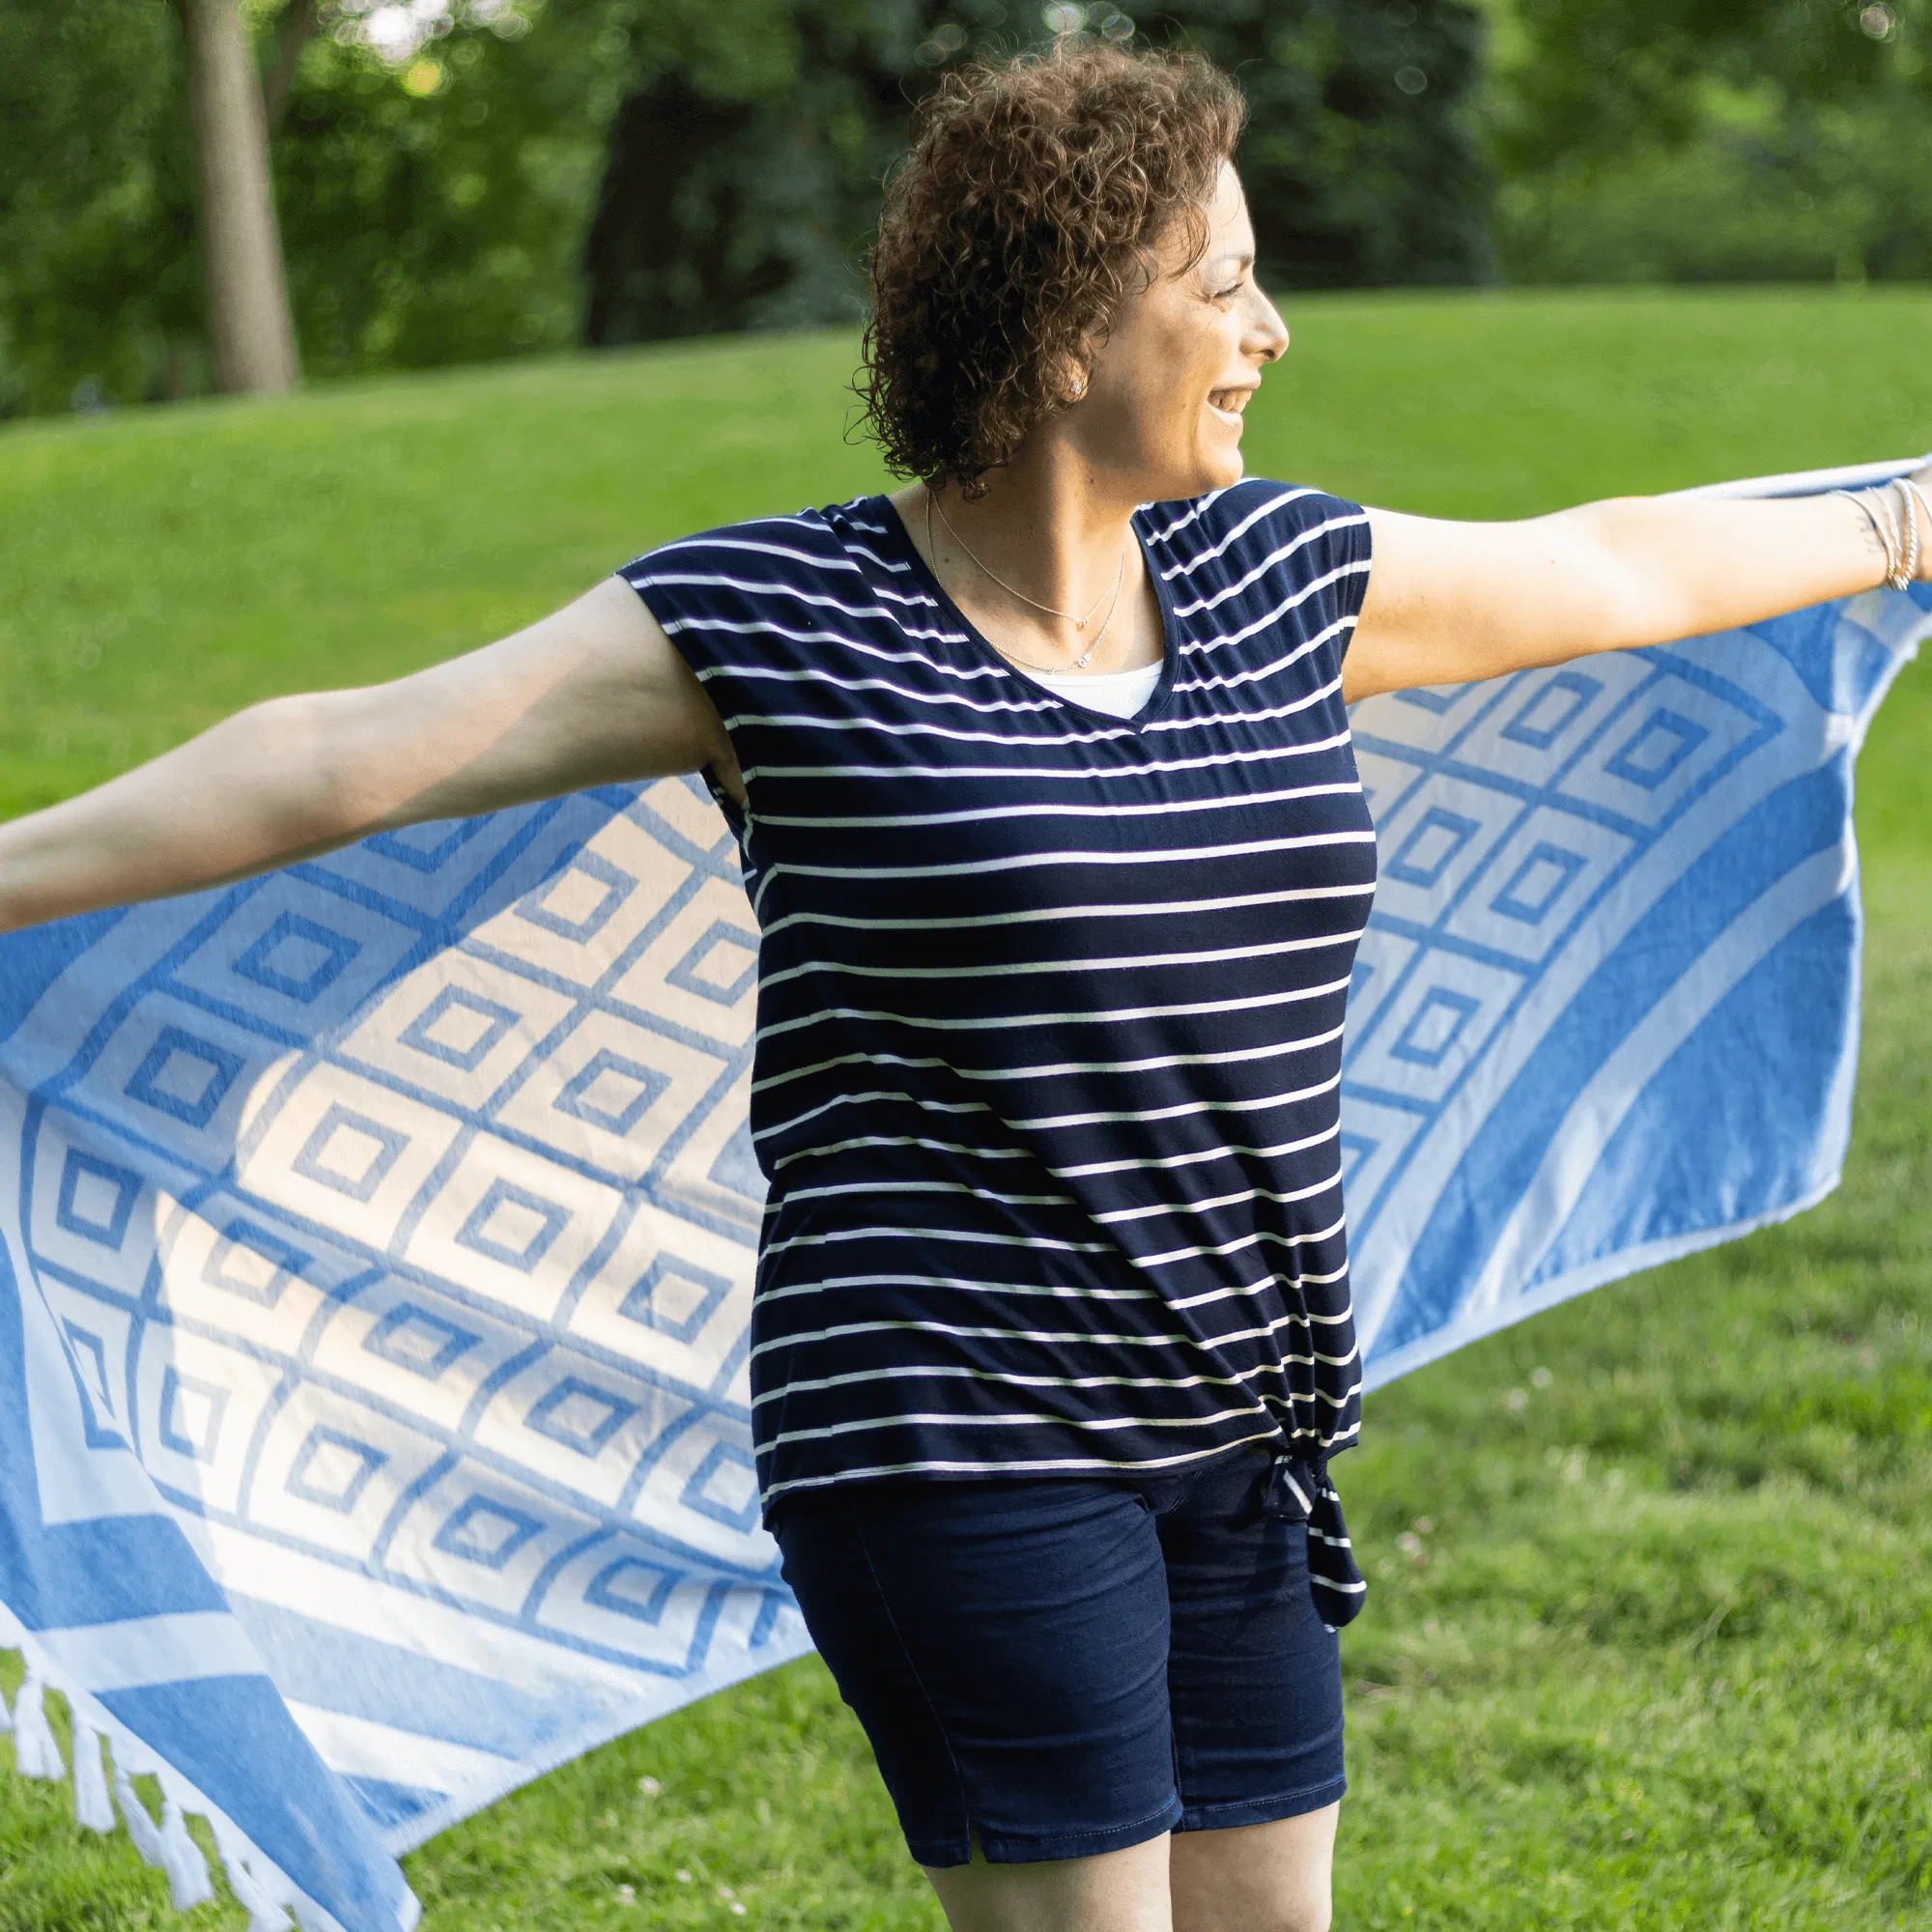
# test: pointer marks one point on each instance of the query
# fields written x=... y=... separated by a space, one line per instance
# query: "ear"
x=1071 y=373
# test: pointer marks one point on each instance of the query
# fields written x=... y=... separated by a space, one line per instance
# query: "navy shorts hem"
x=1053 y=1670
x=1262 y=1810
x=1028 y=1847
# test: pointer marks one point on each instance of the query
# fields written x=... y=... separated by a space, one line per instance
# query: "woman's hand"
x=1448 y=603
x=593 y=694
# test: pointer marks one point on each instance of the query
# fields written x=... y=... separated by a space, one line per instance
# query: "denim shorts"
x=1053 y=1668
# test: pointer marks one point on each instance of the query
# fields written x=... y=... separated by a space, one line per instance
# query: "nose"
x=1276 y=335
x=1271 y=333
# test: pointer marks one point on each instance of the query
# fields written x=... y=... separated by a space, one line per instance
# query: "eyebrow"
x=1241 y=261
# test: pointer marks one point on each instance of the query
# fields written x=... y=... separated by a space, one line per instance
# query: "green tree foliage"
x=433 y=211
x=745 y=161
x=100 y=281
x=1362 y=158
x=738 y=194
x=431 y=205
x=723 y=159
x=1690 y=140
x=1590 y=77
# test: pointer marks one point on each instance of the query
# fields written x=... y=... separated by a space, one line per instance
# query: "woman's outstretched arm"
x=593 y=694
x=1448 y=603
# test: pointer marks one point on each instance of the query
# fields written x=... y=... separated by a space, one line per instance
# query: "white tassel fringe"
x=255 y=1893
x=141 y=1826
x=188 y=1883
x=272 y=1901
x=166 y=1844
x=93 y=1808
x=36 y=1754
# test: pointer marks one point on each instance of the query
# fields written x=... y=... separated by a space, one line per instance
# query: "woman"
x=1042 y=781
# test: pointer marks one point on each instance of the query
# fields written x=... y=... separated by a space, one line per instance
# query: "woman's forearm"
x=1674 y=567
x=251 y=792
x=1449 y=602
x=593 y=694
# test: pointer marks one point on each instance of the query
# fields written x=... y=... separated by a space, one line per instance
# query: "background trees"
x=744 y=169
x=1363 y=162
x=460 y=180
x=249 y=328
x=434 y=167
x=1713 y=140
x=99 y=280
x=745 y=160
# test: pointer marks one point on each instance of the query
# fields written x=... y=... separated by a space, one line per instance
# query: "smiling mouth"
x=1228 y=404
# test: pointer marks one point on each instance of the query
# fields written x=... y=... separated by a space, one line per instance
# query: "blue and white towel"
x=376 y=1237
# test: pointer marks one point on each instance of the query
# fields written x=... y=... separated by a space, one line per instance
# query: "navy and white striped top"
x=1048 y=1065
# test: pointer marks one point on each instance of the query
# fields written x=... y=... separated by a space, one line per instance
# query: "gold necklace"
x=1086 y=657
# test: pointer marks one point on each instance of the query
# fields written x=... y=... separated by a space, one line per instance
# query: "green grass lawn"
x=1654 y=1648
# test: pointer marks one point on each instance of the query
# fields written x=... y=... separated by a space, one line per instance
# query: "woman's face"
x=1165 y=393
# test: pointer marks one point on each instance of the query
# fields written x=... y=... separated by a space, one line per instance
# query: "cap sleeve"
x=746 y=608
x=1326 y=542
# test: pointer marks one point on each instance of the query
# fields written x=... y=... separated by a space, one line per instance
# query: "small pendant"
x=1080 y=623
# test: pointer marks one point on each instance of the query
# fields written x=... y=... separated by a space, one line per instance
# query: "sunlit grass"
x=1658 y=1651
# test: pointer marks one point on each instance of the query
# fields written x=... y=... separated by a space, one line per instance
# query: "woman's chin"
x=1222 y=470
x=1210 y=469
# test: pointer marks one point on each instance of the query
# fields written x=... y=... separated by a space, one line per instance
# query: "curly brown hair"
x=1030 y=207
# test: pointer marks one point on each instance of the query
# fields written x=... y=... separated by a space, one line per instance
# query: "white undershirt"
x=1119 y=692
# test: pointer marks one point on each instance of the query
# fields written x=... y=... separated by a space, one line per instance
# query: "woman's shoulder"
x=1262 y=553
x=779 y=596
x=1249 y=517
x=765 y=554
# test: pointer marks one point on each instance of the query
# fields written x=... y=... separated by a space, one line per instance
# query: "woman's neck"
x=1044 y=539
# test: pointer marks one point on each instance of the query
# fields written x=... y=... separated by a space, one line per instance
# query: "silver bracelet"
x=1918 y=496
x=1904 y=515
x=1896 y=577
x=1895 y=523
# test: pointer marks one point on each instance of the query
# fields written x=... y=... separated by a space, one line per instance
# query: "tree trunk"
x=248 y=291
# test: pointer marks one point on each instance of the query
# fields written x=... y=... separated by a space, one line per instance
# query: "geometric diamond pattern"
x=1559 y=782
x=333 y=1470
x=675 y=1296
x=487 y=1532
x=724 y=1487
x=1426 y=854
x=186 y=1077
x=1551 y=708
x=579 y=1415
x=613 y=1092
x=251 y=1261
x=1659 y=744
x=97 y=1198
x=350 y=1153
x=722 y=966
x=326 y=1247
x=513 y=1226
x=1434 y=1027
x=633 y=1588
x=90 y=1353
x=1538 y=883
x=411 y=1338
x=297 y=959
x=580 y=901
x=438 y=1410
x=191 y=1416
x=459 y=1028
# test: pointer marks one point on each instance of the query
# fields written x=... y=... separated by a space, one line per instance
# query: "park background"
x=1651 y=1638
